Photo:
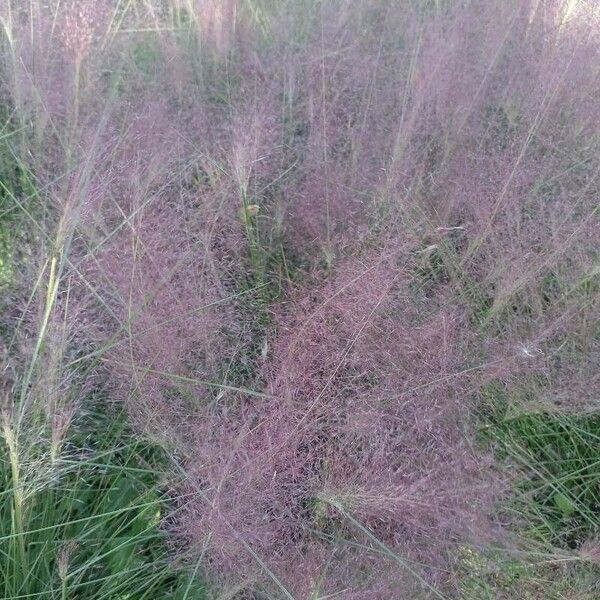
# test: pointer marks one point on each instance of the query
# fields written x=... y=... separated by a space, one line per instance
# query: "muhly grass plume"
x=420 y=185
x=351 y=424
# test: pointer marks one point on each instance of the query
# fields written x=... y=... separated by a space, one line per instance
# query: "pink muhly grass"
x=81 y=26
x=426 y=178
x=358 y=435
x=216 y=21
x=340 y=428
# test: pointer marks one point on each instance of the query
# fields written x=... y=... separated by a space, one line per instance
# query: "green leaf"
x=564 y=504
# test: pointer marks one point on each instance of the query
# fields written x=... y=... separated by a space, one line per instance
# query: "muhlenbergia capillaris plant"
x=300 y=299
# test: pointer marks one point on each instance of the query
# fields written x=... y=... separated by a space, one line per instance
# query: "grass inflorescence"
x=299 y=299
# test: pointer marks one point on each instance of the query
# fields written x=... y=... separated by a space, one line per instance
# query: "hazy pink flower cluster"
x=363 y=410
x=424 y=181
x=420 y=165
x=81 y=26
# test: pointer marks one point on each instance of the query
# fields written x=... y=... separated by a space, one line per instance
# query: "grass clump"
x=559 y=456
x=278 y=255
x=553 y=504
x=86 y=522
